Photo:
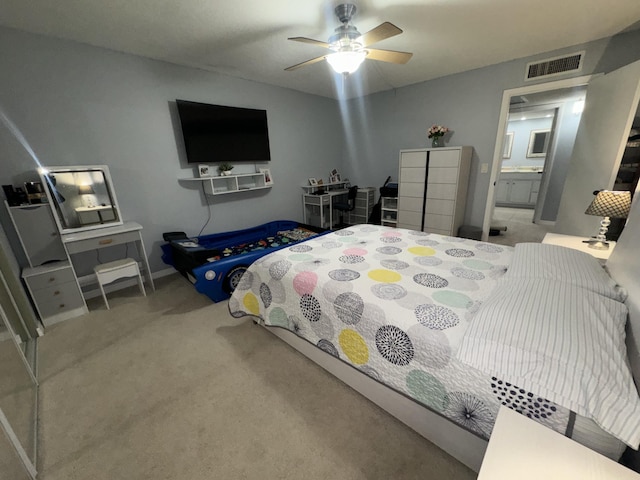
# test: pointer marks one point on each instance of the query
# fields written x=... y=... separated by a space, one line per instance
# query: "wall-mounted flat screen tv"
x=218 y=133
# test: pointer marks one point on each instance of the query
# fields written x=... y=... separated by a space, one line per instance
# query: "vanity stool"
x=112 y=271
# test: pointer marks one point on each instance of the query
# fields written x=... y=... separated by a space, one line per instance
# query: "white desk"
x=577 y=243
x=523 y=449
x=128 y=232
x=322 y=202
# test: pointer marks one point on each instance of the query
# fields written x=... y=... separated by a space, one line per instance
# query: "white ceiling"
x=248 y=38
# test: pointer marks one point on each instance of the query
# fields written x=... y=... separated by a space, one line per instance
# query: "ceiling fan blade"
x=390 y=56
x=303 y=64
x=382 y=31
x=310 y=40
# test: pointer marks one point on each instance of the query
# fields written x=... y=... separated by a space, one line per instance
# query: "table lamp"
x=608 y=204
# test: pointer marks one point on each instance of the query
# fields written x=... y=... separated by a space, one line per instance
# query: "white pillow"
x=553 y=262
x=563 y=342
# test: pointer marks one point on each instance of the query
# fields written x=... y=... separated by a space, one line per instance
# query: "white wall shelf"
x=231 y=183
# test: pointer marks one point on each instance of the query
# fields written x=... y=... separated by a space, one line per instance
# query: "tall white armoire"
x=432 y=190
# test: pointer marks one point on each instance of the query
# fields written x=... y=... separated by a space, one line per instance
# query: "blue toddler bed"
x=215 y=263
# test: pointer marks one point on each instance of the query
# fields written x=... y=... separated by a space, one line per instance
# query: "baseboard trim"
x=163 y=273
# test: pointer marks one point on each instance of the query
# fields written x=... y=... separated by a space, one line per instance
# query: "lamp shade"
x=608 y=203
x=85 y=190
x=346 y=62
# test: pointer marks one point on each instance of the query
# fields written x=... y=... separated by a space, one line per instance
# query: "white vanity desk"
x=56 y=287
x=82 y=215
x=128 y=232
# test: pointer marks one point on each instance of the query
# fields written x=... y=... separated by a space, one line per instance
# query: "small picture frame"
x=268 y=179
x=204 y=171
x=313 y=182
x=538 y=143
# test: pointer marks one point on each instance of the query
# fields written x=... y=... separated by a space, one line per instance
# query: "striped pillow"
x=562 y=342
x=552 y=262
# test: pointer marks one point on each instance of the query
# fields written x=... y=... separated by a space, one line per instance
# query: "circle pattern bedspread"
x=395 y=304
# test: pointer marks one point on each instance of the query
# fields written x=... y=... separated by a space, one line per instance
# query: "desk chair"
x=347 y=206
x=112 y=271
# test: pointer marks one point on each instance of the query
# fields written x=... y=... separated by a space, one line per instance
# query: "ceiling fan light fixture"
x=346 y=62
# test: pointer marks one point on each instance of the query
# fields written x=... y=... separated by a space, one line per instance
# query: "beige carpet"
x=171 y=387
x=520 y=226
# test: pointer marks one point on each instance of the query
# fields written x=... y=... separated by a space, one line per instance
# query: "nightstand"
x=523 y=449
x=577 y=243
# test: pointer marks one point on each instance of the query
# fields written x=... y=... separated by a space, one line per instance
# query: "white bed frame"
x=457 y=442
x=624 y=266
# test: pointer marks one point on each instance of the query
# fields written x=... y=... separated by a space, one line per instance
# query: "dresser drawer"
x=58 y=299
x=438 y=222
x=440 y=207
x=55 y=293
x=52 y=278
x=411 y=204
x=445 y=191
x=412 y=175
x=100 y=242
x=436 y=230
x=444 y=158
x=406 y=217
x=442 y=175
x=413 y=159
x=415 y=190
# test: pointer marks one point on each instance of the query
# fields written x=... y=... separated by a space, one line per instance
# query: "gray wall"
x=80 y=105
x=521 y=133
x=468 y=103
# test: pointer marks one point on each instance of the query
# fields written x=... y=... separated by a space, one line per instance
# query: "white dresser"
x=432 y=190
x=49 y=278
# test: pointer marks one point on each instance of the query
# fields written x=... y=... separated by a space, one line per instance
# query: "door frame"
x=502 y=129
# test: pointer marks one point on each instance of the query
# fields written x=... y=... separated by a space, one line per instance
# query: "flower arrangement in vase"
x=436 y=132
x=225 y=169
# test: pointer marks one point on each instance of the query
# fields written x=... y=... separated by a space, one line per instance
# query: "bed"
x=441 y=331
x=215 y=263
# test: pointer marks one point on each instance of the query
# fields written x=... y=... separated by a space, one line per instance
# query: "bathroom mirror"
x=81 y=198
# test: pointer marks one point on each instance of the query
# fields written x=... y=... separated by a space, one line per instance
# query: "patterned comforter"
x=395 y=304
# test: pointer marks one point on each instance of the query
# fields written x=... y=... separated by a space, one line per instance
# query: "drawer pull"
x=52 y=279
x=57 y=292
x=61 y=305
x=106 y=241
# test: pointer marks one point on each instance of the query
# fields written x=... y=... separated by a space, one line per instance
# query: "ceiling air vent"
x=554 y=66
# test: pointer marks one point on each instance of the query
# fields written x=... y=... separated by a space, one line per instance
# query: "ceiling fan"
x=350 y=47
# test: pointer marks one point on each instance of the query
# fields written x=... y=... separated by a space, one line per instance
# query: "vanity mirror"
x=81 y=198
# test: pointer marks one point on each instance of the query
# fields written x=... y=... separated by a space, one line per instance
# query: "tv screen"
x=217 y=133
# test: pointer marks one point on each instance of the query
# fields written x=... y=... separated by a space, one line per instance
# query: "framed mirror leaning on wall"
x=81 y=197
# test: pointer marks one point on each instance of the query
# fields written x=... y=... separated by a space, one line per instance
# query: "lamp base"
x=598 y=245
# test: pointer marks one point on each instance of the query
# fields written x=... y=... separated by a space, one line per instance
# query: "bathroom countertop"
x=522 y=169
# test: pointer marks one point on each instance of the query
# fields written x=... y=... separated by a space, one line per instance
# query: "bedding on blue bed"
x=215 y=263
